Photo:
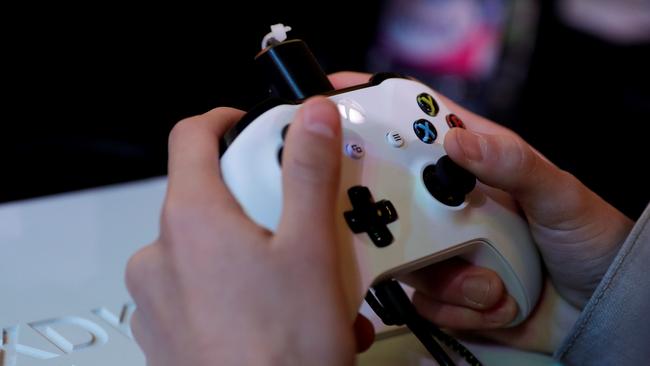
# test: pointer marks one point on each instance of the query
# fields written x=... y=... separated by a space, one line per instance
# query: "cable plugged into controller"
x=389 y=301
x=291 y=69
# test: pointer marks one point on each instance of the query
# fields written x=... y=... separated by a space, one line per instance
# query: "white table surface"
x=62 y=296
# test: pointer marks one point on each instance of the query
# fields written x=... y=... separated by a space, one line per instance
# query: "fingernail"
x=472 y=144
x=503 y=314
x=317 y=118
x=476 y=289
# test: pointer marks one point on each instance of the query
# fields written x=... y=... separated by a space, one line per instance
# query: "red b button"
x=454 y=121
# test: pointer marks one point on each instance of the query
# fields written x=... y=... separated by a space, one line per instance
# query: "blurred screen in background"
x=92 y=92
x=570 y=76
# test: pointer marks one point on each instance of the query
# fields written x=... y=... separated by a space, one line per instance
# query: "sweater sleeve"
x=614 y=327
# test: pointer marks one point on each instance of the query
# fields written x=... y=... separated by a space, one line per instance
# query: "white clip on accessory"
x=278 y=33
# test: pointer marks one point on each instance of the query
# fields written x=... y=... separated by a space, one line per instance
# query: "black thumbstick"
x=448 y=182
x=455 y=177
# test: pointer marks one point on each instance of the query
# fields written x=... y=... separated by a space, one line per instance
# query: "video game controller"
x=403 y=203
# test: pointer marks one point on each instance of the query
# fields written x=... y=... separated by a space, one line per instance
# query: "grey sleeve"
x=614 y=327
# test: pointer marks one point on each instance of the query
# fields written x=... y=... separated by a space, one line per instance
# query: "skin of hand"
x=217 y=289
x=578 y=235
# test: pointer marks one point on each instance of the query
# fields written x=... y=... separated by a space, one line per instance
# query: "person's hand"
x=217 y=289
x=578 y=235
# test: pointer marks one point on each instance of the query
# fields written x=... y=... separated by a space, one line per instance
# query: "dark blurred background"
x=90 y=94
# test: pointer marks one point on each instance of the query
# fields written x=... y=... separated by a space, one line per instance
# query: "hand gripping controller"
x=403 y=203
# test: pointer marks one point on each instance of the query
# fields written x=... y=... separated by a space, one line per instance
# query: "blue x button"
x=425 y=131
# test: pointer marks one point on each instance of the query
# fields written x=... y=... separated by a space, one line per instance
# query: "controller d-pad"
x=370 y=217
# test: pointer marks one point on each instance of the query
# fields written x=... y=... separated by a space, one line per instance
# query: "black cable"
x=392 y=297
x=453 y=343
x=394 y=307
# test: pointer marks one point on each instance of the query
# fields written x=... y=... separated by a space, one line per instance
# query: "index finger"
x=345 y=79
x=193 y=168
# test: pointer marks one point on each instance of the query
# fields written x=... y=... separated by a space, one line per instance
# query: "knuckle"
x=132 y=276
x=221 y=111
x=172 y=210
x=135 y=321
x=137 y=326
x=518 y=157
x=185 y=128
x=312 y=164
x=527 y=159
x=138 y=269
x=178 y=214
x=302 y=168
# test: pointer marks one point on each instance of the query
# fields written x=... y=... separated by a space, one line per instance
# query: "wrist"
x=310 y=349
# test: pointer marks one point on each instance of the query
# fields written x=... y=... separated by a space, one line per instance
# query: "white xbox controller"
x=403 y=203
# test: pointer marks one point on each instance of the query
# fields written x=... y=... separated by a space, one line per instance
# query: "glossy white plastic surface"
x=485 y=229
x=62 y=258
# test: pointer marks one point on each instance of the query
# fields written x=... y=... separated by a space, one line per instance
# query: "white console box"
x=62 y=258
x=63 y=301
